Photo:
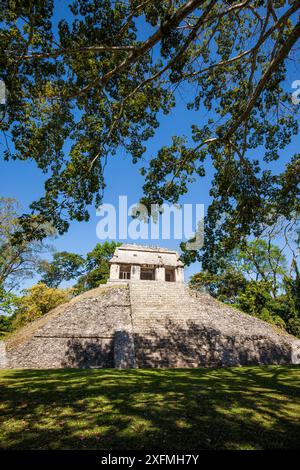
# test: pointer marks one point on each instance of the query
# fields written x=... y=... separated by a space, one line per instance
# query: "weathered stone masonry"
x=140 y=262
x=147 y=324
x=78 y=334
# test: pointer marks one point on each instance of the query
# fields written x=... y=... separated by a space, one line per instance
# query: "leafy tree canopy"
x=257 y=300
x=261 y=261
x=292 y=302
x=7 y=302
x=18 y=261
x=257 y=260
x=64 y=267
x=89 y=271
x=99 y=79
x=97 y=266
x=225 y=285
x=36 y=302
x=256 y=279
x=5 y=326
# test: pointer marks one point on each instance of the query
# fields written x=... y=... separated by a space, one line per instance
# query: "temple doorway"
x=170 y=275
x=125 y=272
x=147 y=274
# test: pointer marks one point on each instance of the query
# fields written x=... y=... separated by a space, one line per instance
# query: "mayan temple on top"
x=146 y=316
x=146 y=263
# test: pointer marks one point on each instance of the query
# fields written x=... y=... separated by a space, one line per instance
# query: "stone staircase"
x=153 y=303
x=165 y=320
x=155 y=307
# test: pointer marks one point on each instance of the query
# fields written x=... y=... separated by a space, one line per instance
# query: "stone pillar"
x=160 y=273
x=124 y=352
x=3 y=357
x=295 y=352
x=114 y=273
x=135 y=274
x=179 y=274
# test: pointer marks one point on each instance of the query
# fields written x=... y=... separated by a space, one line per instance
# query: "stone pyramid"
x=147 y=324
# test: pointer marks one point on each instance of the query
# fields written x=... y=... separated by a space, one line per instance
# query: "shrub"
x=37 y=301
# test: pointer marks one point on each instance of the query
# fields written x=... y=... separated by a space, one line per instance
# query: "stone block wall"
x=82 y=335
x=3 y=355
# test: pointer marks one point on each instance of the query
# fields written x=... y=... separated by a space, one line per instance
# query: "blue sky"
x=23 y=181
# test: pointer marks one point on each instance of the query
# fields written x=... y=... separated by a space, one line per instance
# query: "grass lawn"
x=232 y=408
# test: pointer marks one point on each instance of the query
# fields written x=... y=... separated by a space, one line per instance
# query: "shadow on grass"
x=232 y=408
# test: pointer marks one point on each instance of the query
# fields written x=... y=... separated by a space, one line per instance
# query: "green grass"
x=232 y=408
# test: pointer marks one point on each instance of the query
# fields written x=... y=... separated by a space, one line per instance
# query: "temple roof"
x=142 y=254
